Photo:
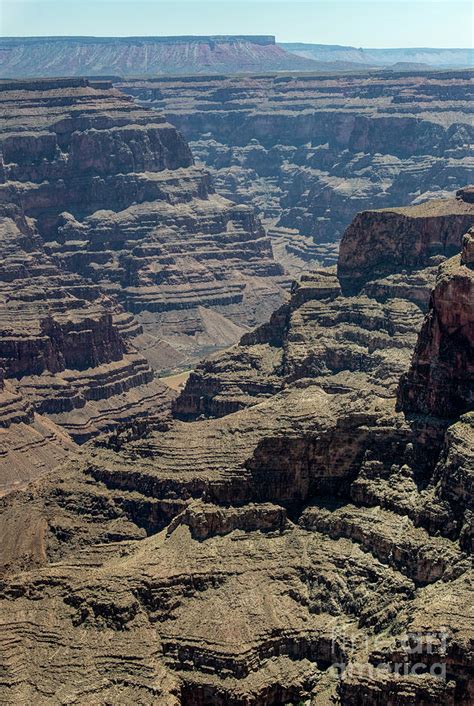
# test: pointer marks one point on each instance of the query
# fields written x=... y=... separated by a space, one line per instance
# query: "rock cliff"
x=116 y=198
x=63 y=355
x=441 y=377
x=311 y=544
x=365 y=319
x=311 y=151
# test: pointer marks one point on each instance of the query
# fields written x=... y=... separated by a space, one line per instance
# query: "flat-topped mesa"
x=383 y=242
x=441 y=377
x=116 y=198
x=145 y=56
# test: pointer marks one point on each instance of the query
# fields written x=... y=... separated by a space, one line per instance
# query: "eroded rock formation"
x=364 y=320
x=118 y=261
x=116 y=199
x=441 y=377
x=310 y=151
x=243 y=559
x=68 y=372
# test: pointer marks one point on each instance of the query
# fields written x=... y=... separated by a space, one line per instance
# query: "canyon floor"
x=289 y=520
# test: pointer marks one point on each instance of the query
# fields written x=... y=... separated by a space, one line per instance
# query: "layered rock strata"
x=310 y=151
x=62 y=354
x=30 y=444
x=363 y=319
x=312 y=546
x=116 y=199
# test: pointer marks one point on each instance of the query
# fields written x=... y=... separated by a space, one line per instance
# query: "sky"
x=360 y=23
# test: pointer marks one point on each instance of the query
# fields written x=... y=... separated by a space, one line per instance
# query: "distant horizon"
x=218 y=36
x=374 y=24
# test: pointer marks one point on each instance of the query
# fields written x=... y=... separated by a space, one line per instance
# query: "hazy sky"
x=367 y=23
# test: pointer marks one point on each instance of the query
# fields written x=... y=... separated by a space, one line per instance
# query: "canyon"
x=302 y=535
x=309 y=151
x=292 y=524
x=119 y=263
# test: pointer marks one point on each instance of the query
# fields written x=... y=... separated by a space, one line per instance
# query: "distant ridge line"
x=262 y=40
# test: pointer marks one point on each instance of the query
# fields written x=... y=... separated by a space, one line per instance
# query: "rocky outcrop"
x=207 y=520
x=365 y=319
x=380 y=243
x=441 y=377
x=311 y=151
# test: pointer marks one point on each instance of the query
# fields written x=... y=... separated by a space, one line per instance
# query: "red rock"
x=441 y=377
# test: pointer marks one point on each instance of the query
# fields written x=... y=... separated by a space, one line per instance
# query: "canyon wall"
x=118 y=263
x=116 y=198
x=312 y=543
x=309 y=151
x=62 y=345
x=441 y=377
x=362 y=317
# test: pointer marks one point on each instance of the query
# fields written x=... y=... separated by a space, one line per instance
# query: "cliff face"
x=311 y=151
x=242 y=559
x=380 y=243
x=441 y=377
x=365 y=319
x=116 y=198
x=62 y=352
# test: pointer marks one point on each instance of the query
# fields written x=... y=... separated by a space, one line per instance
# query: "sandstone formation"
x=310 y=544
x=310 y=151
x=146 y=56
